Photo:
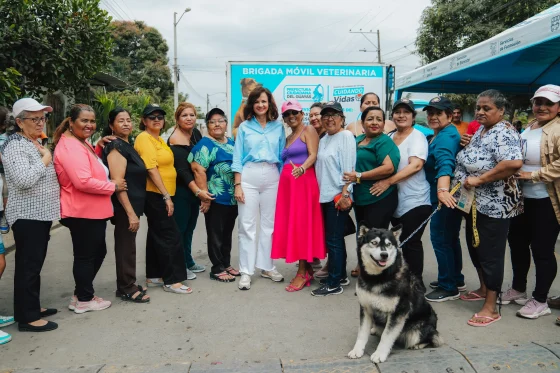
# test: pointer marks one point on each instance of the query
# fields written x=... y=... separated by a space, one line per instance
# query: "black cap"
x=151 y=108
x=216 y=110
x=409 y=104
x=332 y=105
x=440 y=103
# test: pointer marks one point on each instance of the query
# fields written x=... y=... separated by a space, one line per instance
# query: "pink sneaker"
x=533 y=309
x=73 y=301
x=512 y=295
x=96 y=304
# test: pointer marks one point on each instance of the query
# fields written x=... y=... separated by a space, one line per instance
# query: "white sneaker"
x=512 y=295
x=73 y=302
x=274 y=275
x=190 y=275
x=96 y=304
x=4 y=337
x=244 y=282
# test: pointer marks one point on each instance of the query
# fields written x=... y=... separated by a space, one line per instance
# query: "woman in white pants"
x=257 y=163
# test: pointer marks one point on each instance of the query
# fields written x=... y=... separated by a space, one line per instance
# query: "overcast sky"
x=217 y=31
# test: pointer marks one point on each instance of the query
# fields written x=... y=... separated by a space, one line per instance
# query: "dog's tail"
x=437 y=340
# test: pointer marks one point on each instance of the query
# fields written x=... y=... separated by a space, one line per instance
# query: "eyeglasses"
x=36 y=120
x=216 y=122
x=541 y=102
x=287 y=113
x=331 y=115
x=156 y=117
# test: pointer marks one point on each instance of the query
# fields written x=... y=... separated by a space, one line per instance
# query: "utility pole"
x=207 y=103
x=377 y=47
x=175 y=67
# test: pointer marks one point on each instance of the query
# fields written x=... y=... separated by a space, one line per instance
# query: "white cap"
x=550 y=91
x=29 y=104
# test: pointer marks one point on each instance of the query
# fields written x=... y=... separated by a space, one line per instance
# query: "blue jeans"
x=444 y=233
x=335 y=222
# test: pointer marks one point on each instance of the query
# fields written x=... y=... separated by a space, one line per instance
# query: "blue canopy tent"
x=517 y=61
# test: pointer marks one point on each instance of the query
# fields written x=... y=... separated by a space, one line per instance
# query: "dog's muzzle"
x=383 y=262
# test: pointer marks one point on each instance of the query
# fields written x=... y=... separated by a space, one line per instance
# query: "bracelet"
x=166 y=197
x=302 y=170
x=236 y=184
x=197 y=192
x=443 y=190
x=116 y=187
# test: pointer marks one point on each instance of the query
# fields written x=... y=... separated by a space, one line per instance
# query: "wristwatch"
x=166 y=197
x=346 y=195
x=358 y=177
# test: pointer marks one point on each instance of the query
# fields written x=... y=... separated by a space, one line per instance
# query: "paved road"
x=219 y=325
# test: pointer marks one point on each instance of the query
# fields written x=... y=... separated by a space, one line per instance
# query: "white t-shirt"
x=414 y=191
x=532 y=162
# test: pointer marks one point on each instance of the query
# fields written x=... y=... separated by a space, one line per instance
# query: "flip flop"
x=478 y=324
x=232 y=271
x=468 y=297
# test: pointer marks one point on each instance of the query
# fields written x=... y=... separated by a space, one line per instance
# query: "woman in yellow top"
x=165 y=261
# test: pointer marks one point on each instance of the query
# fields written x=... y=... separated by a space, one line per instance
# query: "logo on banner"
x=493 y=48
x=348 y=93
x=312 y=93
x=554 y=24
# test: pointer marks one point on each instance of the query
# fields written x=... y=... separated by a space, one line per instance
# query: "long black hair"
x=107 y=131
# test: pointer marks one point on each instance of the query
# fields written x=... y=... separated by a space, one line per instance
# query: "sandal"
x=221 y=277
x=232 y=271
x=291 y=288
x=140 y=288
x=138 y=299
x=471 y=296
x=482 y=324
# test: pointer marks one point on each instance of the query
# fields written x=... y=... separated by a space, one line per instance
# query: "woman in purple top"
x=298 y=223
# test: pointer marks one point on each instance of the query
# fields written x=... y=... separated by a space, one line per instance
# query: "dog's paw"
x=356 y=354
x=379 y=357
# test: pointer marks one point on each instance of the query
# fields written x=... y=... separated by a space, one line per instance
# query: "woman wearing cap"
x=336 y=155
x=257 y=161
x=298 y=224
x=446 y=223
x=536 y=229
x=413 y=190
x=165 y=261
x=85 y=202
x=211 y=160
x=315 y=119
x=188 y=195
x=377 y=158
x=488 y=165
x=34 y=204
x=128 y=205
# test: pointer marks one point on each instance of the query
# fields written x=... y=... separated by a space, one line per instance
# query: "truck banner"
x=305 y=82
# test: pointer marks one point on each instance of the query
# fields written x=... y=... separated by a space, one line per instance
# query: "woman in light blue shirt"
x=257 y=164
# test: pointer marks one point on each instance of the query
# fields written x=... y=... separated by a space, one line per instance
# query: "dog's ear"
x=242 y=82
x=362 y=231
x=397 y=232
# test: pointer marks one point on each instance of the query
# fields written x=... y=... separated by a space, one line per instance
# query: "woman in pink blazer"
x=85 y=202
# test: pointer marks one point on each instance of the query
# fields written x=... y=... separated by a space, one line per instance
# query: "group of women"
x=300 y=189
x=85 y=187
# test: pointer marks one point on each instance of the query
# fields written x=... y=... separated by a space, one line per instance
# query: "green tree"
x=54 y=45
x=140 y=57
x=448 y=26
x=9 y=89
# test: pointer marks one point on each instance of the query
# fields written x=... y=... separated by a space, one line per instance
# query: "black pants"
x=413 y=250
x=220 y=220
x=125 y=253
x=535 y=231
x=88 y=242
x=490 y=254
x=31 y=238
x=378 y=214
x=164 y=250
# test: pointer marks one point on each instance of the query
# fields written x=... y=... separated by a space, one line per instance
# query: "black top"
x=180 y=155
x=322 y=135
x=135 y=175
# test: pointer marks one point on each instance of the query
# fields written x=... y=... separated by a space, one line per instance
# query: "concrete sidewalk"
x=219 y=328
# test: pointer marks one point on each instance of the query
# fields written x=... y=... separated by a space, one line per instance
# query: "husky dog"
x=392 y=305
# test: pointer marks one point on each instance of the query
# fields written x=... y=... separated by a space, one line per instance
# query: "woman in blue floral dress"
x=211 y=160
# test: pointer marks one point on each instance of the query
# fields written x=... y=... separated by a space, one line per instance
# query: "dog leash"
x=476 y=238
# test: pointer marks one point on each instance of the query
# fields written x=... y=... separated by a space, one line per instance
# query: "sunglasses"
x=287 y=113
x=156 y=117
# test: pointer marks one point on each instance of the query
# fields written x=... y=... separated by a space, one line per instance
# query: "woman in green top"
x=378 y=158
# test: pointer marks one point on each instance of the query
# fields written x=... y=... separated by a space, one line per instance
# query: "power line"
x=127 y=8
x=189 y=86
x=116 y=4
x=396 y=50
x=112 y=10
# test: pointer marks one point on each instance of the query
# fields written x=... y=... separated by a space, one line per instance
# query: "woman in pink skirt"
x=298 y=223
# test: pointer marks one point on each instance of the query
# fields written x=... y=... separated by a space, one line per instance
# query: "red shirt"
x=473 y=127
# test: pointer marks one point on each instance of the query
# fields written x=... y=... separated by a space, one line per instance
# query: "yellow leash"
x=476 y=237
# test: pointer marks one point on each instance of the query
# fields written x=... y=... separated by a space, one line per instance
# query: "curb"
x=512 y=358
